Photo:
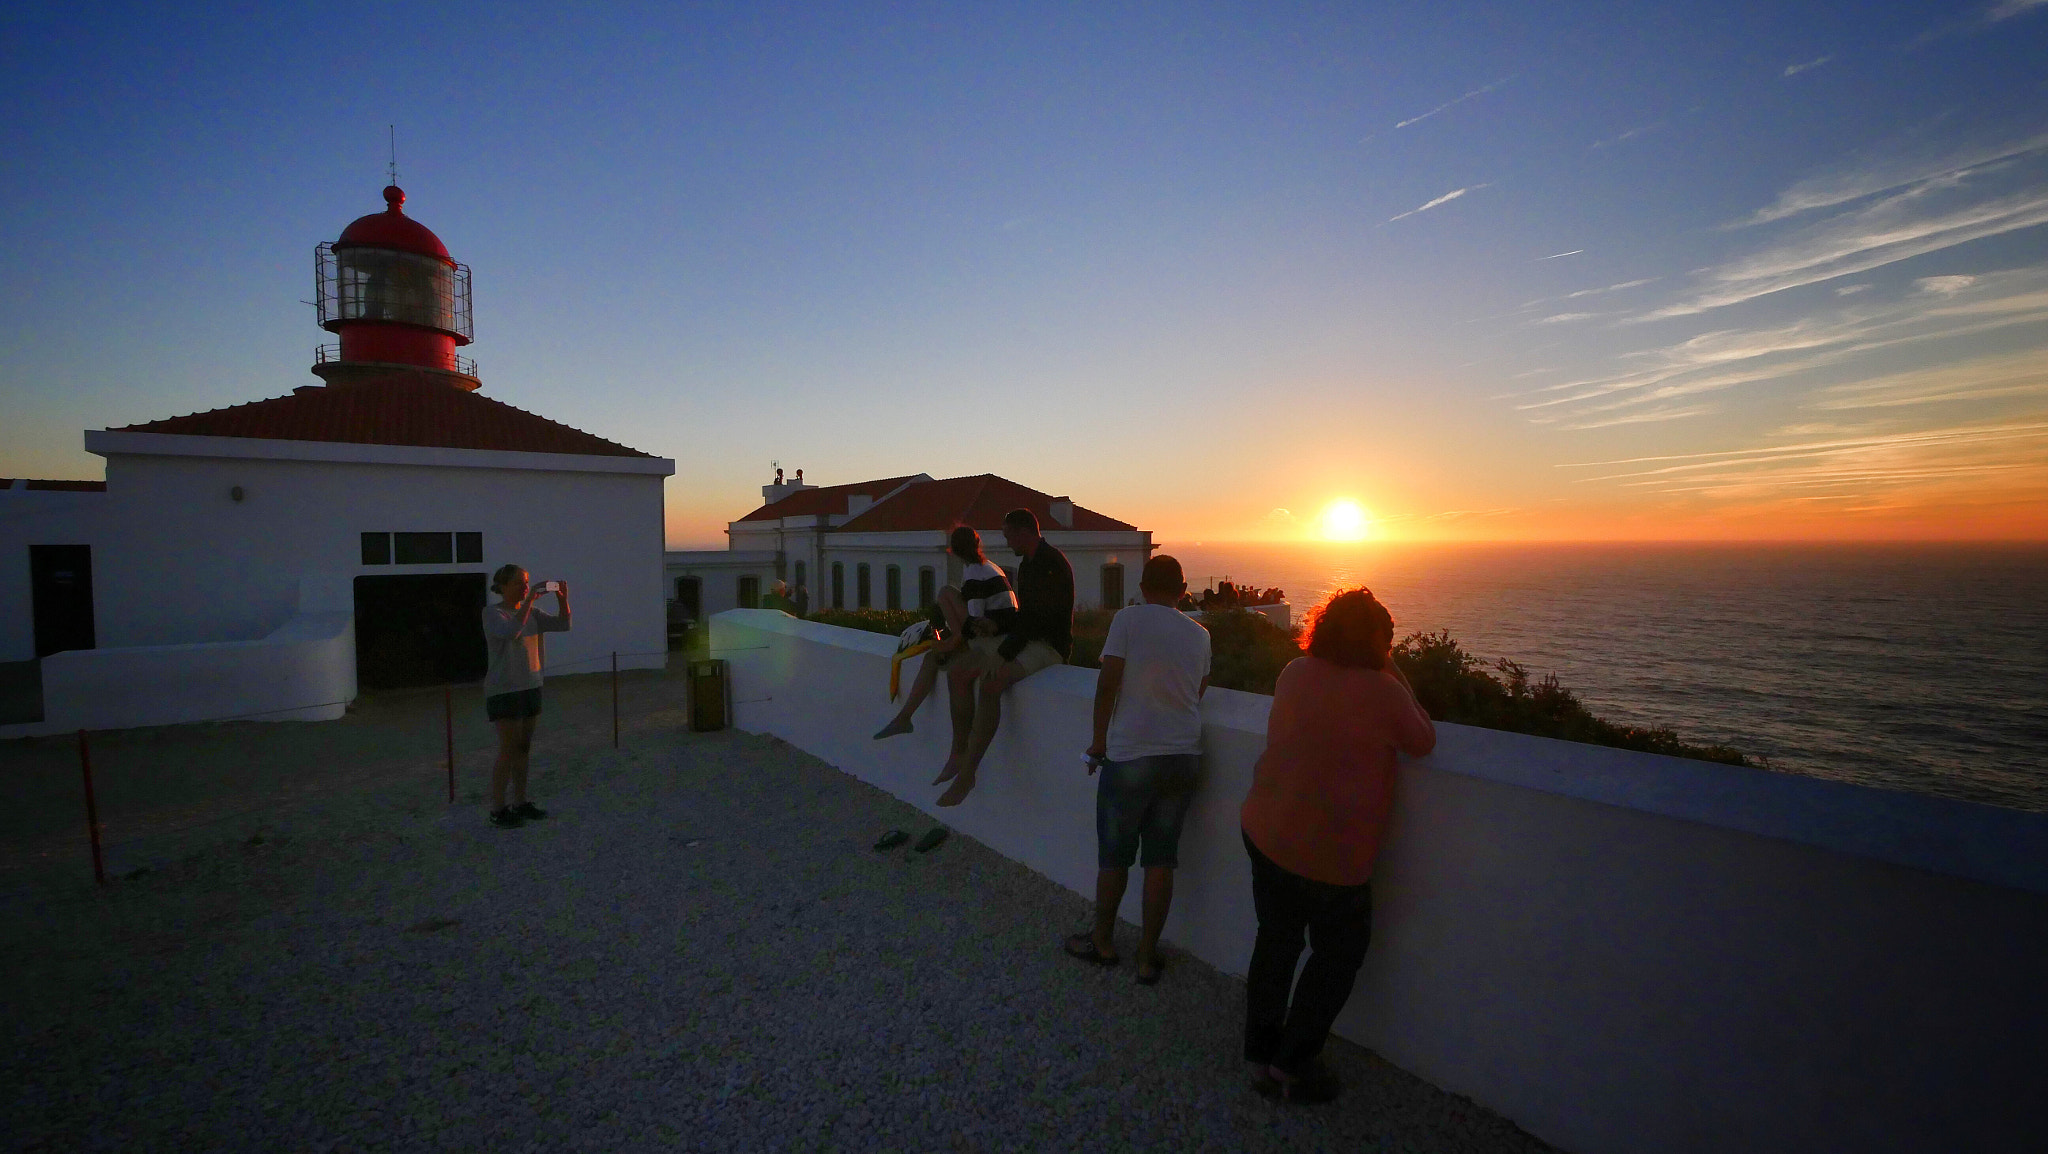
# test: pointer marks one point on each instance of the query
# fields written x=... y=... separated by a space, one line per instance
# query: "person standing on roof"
x=1040 y=635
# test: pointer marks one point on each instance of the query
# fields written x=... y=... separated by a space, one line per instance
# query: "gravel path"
x=699 y=950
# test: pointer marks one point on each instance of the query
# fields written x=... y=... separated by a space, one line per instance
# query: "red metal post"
x=615 y=699
x=92 y=811
x=448 y=725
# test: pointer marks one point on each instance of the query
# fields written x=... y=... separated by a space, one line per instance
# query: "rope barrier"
x=94 y=831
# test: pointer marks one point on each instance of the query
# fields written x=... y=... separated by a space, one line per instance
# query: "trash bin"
x=710 y=700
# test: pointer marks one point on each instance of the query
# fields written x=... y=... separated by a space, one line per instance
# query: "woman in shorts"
x=512 y=630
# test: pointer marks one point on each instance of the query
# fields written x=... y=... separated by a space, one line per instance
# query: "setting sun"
x=1343 y=520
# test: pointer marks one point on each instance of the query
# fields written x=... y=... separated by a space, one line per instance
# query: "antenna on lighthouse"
x=392 y=168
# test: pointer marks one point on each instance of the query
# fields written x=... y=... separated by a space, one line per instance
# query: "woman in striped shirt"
x=983 y=605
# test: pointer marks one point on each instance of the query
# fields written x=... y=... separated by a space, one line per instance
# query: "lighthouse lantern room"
x=392 y=294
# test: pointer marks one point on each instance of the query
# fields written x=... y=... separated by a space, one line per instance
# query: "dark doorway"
x=60 y=583
x=421 y=629
x=1112 y=586
x=750 y=593
x=690 y=597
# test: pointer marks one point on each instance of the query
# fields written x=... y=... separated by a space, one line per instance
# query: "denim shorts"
x=513 y=706
x=1141 y=802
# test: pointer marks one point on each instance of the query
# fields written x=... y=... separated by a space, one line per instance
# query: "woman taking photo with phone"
x=512 y=630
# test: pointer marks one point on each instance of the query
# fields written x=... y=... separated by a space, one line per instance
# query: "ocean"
x=1904 y=667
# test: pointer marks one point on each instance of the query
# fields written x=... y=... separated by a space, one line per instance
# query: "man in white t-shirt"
x=1148 y=743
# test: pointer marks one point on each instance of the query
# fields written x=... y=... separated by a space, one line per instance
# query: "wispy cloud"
x=1449 y=104
x=1841 y=187
x=1941 y=308
x=1893 y=229
x=2001 y=455
x=1446 y=198
x=1631 y=134
x=2011 y=375
x=1556 y=255
x=1564 y=318
x=1816 y=62
x=2007 y=9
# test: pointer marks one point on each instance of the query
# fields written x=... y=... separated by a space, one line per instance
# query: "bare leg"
x=960 y=695
x=954 y=607
x=1109 y=896
x=988 y=715
x=510 y=739
x=1158 y=900
x=525 y=753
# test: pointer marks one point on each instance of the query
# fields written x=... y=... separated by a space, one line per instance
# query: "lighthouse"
x=395 y=298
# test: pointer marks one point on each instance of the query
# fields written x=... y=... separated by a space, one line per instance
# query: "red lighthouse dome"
x=390 y=291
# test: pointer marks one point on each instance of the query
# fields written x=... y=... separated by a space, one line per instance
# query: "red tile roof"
x=54 y=486
x=825 y=499
x=400 y=409
x=979 y=502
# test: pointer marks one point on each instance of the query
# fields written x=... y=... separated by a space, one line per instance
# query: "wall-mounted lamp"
x=235 y=494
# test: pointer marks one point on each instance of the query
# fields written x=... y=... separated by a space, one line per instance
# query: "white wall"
x=718 y=575
x=1617 y=951
x=39 y=517
x=181 y=562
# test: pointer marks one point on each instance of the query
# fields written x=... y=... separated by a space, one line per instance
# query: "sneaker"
x=506 y=818
x=529 y=811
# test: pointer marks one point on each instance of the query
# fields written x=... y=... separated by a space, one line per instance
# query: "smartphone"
x=551 y=587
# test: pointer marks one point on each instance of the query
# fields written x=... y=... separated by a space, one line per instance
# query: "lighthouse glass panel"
x=376 y=284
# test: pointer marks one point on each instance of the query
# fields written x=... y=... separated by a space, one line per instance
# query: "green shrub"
x=1453 y=686
x=890 y=621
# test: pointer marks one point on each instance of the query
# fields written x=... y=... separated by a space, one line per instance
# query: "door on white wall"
x=419 y=629
x=60 y=588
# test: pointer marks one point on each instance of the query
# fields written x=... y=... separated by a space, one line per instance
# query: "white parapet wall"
x=1618 y=951
x=304 y=670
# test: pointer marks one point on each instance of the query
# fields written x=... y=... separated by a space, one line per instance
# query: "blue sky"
x=1204 y=268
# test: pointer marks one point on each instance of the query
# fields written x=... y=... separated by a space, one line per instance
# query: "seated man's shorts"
x=1141 y=803
x=983 y=655
x=513 y=706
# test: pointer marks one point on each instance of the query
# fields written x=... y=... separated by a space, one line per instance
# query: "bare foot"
x=951 y=770
x=962 y=786
x=896 y=726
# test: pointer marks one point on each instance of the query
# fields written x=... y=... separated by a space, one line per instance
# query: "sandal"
x=1083 y=947
x=1158 y=971
x=1314 y=1084
x=892 y=839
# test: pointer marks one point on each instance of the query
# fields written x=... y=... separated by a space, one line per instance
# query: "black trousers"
x=1338 y=921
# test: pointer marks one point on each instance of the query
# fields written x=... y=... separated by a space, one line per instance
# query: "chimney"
x=780 y=489
x=1063 y=512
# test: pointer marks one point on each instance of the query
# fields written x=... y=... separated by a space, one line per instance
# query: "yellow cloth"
x=896 y=666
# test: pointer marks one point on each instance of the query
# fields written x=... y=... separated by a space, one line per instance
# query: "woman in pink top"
x=1312 y=825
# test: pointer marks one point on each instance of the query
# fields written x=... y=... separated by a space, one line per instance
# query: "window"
x=469 y=548
x=802 y=579
x=750 y=592
x=838 y=585
x=892 y=587
x=927 y=587
x=689 y=592
x=861 y=586
x=376 y=548
x=424 y=548
x=1112 y=586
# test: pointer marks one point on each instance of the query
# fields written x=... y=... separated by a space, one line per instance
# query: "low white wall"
x=1618 y=951
x=305 y=670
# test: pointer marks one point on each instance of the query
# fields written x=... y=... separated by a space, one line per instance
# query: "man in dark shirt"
x=1041 y=634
